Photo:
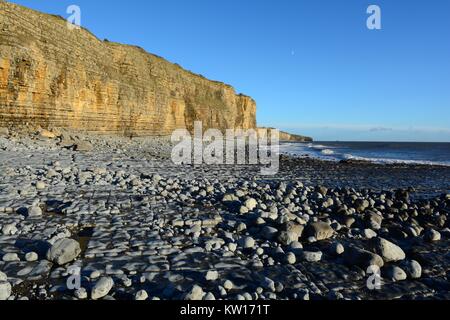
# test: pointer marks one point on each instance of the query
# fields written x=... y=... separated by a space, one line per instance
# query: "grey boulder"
x=63 y=251
x=389 y=251
x=412 y=268
x=395 y=273
x=5 y=290
x=362 y=258
x=102 y=288
x=319 y=230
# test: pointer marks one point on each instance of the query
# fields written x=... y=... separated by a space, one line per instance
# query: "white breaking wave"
x=329 y=153
x=318 y=146
x=396 y=161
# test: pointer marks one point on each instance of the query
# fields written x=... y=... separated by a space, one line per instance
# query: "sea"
x=377 y=152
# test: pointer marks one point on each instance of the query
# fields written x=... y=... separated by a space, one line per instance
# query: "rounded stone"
x=290 y=258
x=64 y=251
x=31 y=256
x=432 y=235
x=102 y=288
x=251 y=204
x=232 y=247
x=34 y=211
x=319 y=230
x=212 y=275
x=40 y=185
x=269 y=233
x=286 y=238
x=336 y=248
x=312 y=256
x=248 y=243
x=243 y=210
x=209 y=297
x=5 y=290
x=228 y=285
x=195 y=294
x=369 y=234
x=141 y=295
x=295 y=245
x=10 y=257
x=9 y=229
x=95 y=274
x=362 y=258
x=81 y=294
x=412 y=268
x=303 y=294
x=389 y=251
x=395 y=273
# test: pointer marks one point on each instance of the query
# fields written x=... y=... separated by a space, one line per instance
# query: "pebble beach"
x=138 y=227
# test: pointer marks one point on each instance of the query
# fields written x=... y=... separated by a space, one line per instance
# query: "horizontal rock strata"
x=52 y=76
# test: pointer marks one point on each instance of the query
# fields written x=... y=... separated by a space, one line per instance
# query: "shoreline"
x=426 y=179
x=325 y=151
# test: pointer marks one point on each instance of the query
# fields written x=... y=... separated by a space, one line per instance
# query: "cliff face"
x=284 y=136
x=55 y=77
x=287 y=137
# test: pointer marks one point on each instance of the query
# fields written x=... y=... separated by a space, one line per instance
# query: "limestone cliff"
x=55 y=77
x=287 y=137
x=284 y=136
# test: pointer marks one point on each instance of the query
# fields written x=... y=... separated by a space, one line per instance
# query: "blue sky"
x=312 y=65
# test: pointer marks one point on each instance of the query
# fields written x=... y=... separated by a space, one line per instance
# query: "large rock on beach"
x=362 y=258
x=412 y=268
x=63 y=251
x=319 y=230
x=102 y=287
x=389 y=251
x=5 y=290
